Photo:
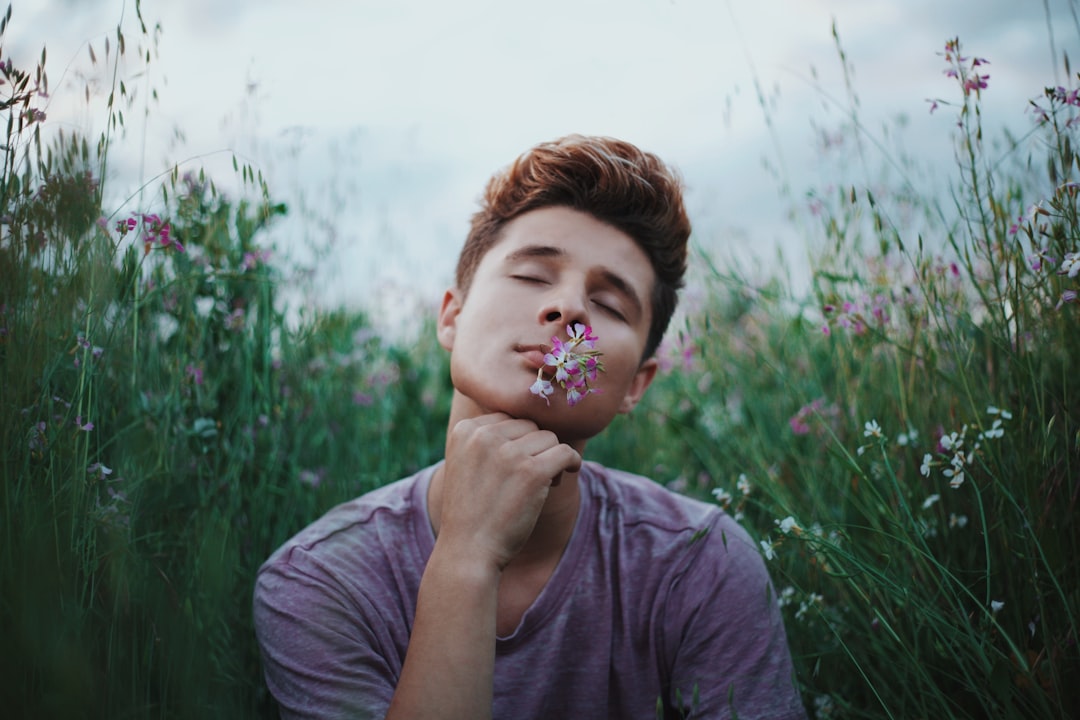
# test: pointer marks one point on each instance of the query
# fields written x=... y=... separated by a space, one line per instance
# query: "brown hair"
x=611 y=180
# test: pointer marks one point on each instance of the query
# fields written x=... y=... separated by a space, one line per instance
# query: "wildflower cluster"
x=800 y=421
x=726 y=499
x=1060 y=98
x=952 y=451
x=158 y=232
x=857 y=317
x=970 y=76
x=575 y=362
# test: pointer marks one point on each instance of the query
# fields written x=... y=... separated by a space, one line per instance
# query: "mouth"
x=533 y=355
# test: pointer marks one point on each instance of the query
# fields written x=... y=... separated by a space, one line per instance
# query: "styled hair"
x=611 y=180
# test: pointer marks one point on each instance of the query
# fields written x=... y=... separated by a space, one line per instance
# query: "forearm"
x=450 y=663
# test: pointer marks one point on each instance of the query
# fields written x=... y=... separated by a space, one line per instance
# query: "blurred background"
x=379 y=122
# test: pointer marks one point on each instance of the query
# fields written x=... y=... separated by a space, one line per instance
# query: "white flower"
x=929 y=501
x=767 y=549
x=996 y=605
x=811 y=600
x=823 y=706
x=743 y=485
x=925 y=467
x=995 y=431
x=908 y=438
x=1070 y=265
x=872 y=429
x=788 y=524
x=956 y=477
x=722 y=496
x=952 y=441
x=957 y=521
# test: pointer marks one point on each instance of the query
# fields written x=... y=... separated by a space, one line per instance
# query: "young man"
x=512 y=579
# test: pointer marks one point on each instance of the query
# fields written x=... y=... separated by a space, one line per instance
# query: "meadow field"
x=903 y=439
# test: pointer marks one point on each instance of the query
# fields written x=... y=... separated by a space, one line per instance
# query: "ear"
x=446 y=328
x=642 y=379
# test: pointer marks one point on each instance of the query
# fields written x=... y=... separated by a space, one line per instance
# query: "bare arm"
x=497 y=475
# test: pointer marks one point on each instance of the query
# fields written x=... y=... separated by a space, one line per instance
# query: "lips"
x=532 y=354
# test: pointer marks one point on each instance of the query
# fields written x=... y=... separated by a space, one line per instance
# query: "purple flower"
x=195 y=373
x=976 y=82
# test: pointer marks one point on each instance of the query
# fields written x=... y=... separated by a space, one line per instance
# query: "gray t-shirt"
x=658 y=598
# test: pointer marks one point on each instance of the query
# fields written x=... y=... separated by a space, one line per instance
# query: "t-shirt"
x=658 y=599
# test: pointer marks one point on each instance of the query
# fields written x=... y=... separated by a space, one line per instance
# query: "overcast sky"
x=386 y=117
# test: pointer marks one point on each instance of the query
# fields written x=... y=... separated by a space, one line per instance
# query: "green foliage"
x=166 y=425
x=905 y=441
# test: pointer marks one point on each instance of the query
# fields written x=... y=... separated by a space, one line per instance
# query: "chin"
x=570 y=424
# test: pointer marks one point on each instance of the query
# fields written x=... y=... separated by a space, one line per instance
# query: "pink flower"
x=125 y=226
x=195 y=373
x=798 y=426
x=976 y=82
x=159 y=232
x=575 y=363
x=254 y=259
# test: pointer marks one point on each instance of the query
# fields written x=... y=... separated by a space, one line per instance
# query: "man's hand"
x=497 y=475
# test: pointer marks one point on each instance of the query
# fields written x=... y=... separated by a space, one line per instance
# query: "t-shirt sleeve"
x=322 y=647
x=726 y=634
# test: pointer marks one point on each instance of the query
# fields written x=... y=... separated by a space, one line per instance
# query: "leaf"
x=698 y=535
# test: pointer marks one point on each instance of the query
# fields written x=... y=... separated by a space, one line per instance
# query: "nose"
x=564 y=306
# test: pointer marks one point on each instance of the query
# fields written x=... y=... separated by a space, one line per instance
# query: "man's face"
x=551 y=268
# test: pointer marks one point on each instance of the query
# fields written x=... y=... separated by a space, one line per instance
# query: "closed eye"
x=610 y=309
x=529 y=279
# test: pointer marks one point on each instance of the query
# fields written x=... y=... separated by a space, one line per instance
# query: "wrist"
x=464 y=563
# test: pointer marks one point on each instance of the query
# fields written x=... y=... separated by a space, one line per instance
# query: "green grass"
x=220 y=427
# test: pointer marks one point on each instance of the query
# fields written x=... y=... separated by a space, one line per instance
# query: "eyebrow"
x=610 y=277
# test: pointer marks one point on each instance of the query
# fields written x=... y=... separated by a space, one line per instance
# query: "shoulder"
x=359 y=531
x=658 y=522
x=638 y=500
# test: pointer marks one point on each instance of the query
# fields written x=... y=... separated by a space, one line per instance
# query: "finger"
x=558 y=459
x=535 y=442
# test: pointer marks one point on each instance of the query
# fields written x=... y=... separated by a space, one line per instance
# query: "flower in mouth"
x=572 y=365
